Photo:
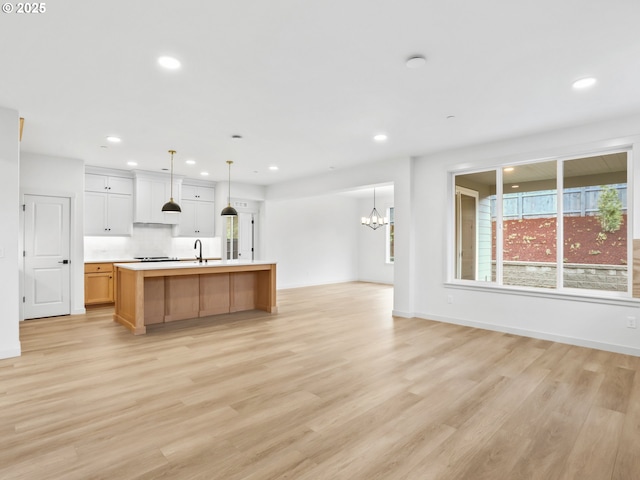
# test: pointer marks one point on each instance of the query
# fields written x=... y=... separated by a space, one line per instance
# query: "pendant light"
x=374 y=220
x=171 y=206
x=229 y=211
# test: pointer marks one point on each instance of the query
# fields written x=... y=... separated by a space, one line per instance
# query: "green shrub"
x=609 y=209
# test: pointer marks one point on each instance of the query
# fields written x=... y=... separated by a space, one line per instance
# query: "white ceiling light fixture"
x=273 y=168
x=132 y=164
x=416 y=61
x=170 y=63
x=190 y=162
x=114 y=139
x=583 y=83
x=380 y=137
x=204 y=174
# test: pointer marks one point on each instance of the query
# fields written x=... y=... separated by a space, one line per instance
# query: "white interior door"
x=46 y=256
x=245 y=236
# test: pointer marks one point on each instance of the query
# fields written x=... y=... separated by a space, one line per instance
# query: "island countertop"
x=149 y=293
x=193 y=264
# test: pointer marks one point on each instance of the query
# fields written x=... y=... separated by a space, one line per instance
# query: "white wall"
x=313 y=240
x=395 y=171
x=9 y=219
x=56 y=176
x=372 y=244
x=599 y=324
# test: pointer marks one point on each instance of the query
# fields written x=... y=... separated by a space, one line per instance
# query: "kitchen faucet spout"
x=199 y=256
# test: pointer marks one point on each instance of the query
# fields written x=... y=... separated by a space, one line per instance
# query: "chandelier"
x=374 y=220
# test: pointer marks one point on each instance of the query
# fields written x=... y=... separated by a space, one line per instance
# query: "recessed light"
x=132 y=164
x=515 y=186
x=114 y=139
x=450 y=117
x=416 y=61
x=169 y=63
x=584 y=83
x=190 y=162
x=381 y=137
x=204 y=174
x=273 y=168
x=508 y=169
x=236 y=137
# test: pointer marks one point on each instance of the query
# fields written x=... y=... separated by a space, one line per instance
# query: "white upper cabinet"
x=108 y=205
x=198 y=210
x=198 y=192
x=152 y=191
x=108 y=184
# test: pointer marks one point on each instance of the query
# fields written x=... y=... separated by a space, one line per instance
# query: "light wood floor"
x=332 y=387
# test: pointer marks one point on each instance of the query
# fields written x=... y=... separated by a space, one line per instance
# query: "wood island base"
x=147 y=295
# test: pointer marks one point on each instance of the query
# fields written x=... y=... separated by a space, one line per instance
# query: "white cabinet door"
x=107 y=214
x=95 y=213
x=205 y=218
x=198 y=192
x=95 y=183
x=119 y=214
x=188 y=224
x=103 y=183
x=196 y=220
x=120 y=185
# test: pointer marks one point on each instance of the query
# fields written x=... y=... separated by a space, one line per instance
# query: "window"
x=513 y=227
x=390 y=236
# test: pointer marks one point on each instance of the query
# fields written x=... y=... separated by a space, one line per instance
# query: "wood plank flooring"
x=332 y=387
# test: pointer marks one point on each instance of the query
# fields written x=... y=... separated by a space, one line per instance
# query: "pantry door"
x=46 y=256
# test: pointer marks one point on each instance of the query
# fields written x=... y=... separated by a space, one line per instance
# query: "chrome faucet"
x=199 y=256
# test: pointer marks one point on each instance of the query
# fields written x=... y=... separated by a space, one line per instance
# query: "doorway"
x=46 y=256
x=466 y=233
x=240 y=237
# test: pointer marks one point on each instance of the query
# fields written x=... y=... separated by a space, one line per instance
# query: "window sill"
x=591 y=296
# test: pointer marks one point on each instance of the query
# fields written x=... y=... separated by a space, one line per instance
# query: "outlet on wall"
x=631 y=322
x=449 y=298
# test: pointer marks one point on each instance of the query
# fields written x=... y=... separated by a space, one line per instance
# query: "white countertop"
x=194 y=264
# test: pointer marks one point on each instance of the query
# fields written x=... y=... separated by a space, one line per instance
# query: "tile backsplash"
x=148 y=240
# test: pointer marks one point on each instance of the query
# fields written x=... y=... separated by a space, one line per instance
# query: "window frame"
x=390 y=214
x=560 y=290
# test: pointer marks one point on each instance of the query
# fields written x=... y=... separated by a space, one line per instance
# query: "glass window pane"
x=529 y=225
x=473 y=226
x=595 y=223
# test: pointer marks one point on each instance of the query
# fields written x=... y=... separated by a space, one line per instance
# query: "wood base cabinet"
x=98 y=283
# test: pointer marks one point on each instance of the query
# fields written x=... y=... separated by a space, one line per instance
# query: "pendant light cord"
x=171 y=185
x=229 y=162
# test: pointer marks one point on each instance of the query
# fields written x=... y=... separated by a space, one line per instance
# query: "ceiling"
x=308 y=84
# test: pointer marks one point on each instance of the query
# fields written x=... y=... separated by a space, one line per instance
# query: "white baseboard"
x=579 y=342
x=399 y=313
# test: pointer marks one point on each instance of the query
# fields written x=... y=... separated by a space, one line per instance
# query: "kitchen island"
x=153 y=293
